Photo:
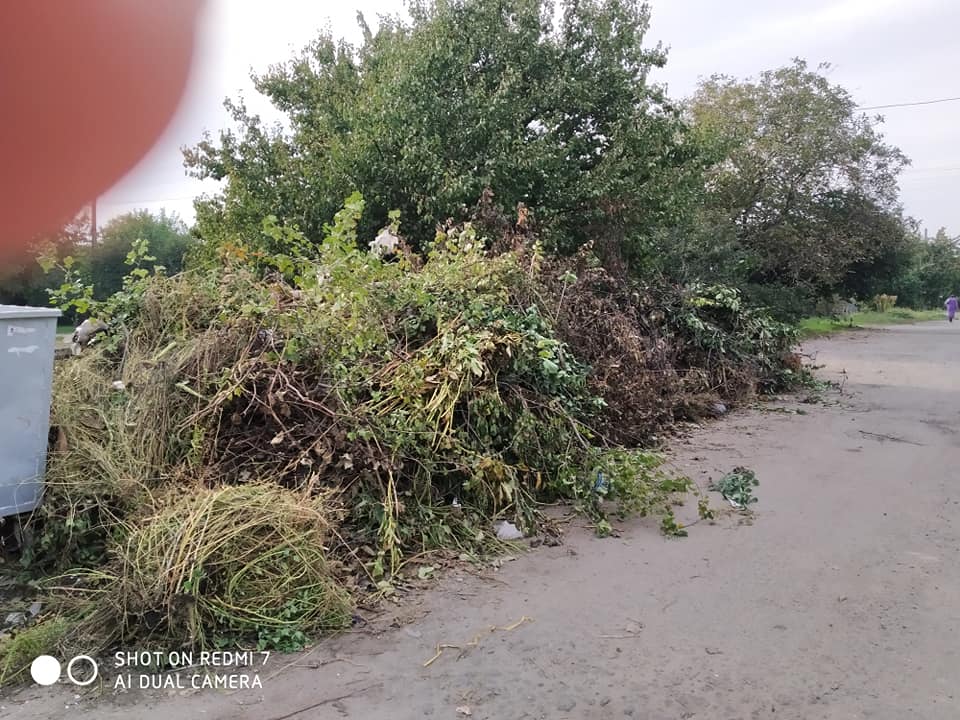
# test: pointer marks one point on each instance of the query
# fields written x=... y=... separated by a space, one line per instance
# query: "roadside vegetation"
x=485 y=266
x=819 y=326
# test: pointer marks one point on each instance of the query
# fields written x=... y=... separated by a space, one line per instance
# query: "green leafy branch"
x=737 y=487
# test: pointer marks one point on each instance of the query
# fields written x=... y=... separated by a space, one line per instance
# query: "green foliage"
x=737 y=487
x=74 y=529
x=283 y=639
x=24 y=282
x=671 y=528
x=783 y=302
x=704 y=511
x=77 y=277
x=19 y=650
x=106 y=265
x=120 y=308
x=805 y=185
x=930 y=272
x=484 y=400
x=73 y=294
x=472 y=94
x=728 y=337
x=633 y=481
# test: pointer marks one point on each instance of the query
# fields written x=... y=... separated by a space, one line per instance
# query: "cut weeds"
x=292 y=428
x=221 y=566
x=737 y=487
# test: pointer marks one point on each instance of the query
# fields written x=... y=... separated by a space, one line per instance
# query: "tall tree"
x=25 y=283
x=806 y=181
x=104 y=266
x=471 y=94
x=932 y=273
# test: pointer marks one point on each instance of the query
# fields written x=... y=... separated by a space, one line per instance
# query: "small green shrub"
x=737 y=487
x=633 y=481
x=19 y=650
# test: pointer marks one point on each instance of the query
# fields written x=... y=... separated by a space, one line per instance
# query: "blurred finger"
x=86 y=89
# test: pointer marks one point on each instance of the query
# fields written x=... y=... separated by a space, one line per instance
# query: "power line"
x=909 y=104
x=910 y=170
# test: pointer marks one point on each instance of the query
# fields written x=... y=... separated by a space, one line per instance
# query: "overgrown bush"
x=420 y=396
x=784 y=303
x=740 y=349
x=620 y=331
x=660 y=352
x=549 y=106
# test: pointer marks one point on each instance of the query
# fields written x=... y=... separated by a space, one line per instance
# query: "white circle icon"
x=93 y=676
x=45 y=670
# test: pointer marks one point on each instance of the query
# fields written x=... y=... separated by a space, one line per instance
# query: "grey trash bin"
x=28 y=337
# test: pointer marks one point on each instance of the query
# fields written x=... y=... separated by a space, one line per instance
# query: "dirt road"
x=841 y=600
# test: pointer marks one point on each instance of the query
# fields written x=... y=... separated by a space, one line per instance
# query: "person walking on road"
x=951 y=306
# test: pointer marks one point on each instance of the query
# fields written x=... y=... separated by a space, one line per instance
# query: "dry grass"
x=397 y=409
x=217 y=565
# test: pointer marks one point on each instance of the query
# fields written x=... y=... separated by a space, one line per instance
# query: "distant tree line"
x=102 y=265
x=776 y=185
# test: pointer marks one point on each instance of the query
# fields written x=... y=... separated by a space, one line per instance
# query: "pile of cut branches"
x=259 y=443
x=256 y=436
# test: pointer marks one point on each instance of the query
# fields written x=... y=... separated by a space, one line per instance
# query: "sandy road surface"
x=841 y=600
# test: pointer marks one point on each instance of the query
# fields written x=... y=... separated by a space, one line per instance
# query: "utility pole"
x=93 y=223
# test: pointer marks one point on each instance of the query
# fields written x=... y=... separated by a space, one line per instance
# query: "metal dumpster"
x=27 y=339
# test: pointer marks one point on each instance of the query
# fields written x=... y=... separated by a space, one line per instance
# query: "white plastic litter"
x=508 y=531
x=385 y=244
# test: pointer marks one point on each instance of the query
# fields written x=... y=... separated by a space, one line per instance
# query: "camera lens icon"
x=81 y=670
x=76 y=665
x=45 y=670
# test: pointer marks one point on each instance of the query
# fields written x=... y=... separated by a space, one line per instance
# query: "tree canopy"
x=777 y=185
x=930 y=271
x=104 y=266
x=805 y=181
x=472 y=94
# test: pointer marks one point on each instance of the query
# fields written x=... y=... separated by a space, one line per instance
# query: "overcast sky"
x=883 y=51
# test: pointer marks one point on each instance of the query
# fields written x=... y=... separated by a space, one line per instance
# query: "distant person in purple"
x=951 y=306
